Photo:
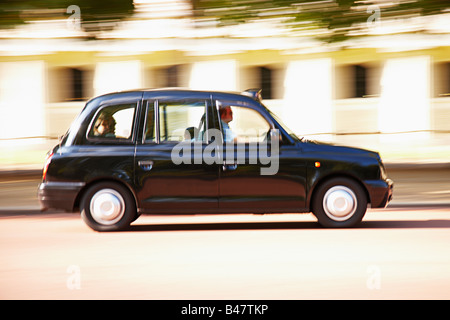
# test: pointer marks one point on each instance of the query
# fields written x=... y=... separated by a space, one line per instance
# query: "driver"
x=226 y=116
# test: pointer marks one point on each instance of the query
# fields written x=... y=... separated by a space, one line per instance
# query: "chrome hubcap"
x=339 y=203
x=107 y=206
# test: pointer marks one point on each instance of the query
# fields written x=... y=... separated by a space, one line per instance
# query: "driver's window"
x=240 y=124
x=182 y=120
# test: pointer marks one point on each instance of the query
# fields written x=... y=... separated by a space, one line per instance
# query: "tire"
x=339 y=203
x=108 y=206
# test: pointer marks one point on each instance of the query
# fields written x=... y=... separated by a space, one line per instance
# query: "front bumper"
x=59 y=195
x=380 y=192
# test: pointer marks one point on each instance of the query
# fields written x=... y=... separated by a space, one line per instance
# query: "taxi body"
x=173 y=151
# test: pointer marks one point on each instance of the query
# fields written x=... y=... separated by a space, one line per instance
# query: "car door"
x=164 y=183
x=256 y=175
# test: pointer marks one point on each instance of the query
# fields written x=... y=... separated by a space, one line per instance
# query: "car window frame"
x=114 y=141
x=240 y=104
x=145 y=106
x=156 y=105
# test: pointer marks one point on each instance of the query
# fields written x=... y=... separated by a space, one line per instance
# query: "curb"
x=418 y=205
x=417 y=166
x=21 y=174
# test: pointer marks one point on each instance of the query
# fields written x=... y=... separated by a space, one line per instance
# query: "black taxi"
x=174 y=151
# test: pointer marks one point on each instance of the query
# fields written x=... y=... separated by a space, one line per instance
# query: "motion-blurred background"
x=374 y=74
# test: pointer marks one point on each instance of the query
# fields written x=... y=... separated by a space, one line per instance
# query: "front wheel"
x=108 y=206
x=339 y=202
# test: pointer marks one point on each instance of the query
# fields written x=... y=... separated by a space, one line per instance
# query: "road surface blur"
x=394 y=254
x=400 y=252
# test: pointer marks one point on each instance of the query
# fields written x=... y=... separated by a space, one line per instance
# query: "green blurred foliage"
x=337 y=17
x=96 y=15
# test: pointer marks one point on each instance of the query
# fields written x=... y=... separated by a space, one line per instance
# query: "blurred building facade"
x=388 y=83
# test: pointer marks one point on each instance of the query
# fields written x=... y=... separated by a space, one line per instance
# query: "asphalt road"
x=401 y=252
x=394 y=254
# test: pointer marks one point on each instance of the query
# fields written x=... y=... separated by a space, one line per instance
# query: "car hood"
x=318 y=146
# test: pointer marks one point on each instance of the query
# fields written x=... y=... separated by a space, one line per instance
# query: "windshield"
x=281 y=123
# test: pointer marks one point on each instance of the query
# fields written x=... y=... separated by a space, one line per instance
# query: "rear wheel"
x=108 y=206
x=339 y=202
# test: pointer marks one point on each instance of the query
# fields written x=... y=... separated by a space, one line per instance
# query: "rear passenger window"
x=181 y=121
x=113 y=123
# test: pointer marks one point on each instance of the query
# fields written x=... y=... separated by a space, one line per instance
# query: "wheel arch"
x=334 y=175
x=100 y=180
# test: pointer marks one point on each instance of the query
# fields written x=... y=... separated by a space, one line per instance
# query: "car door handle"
x=147 y=165
x=229 y=166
